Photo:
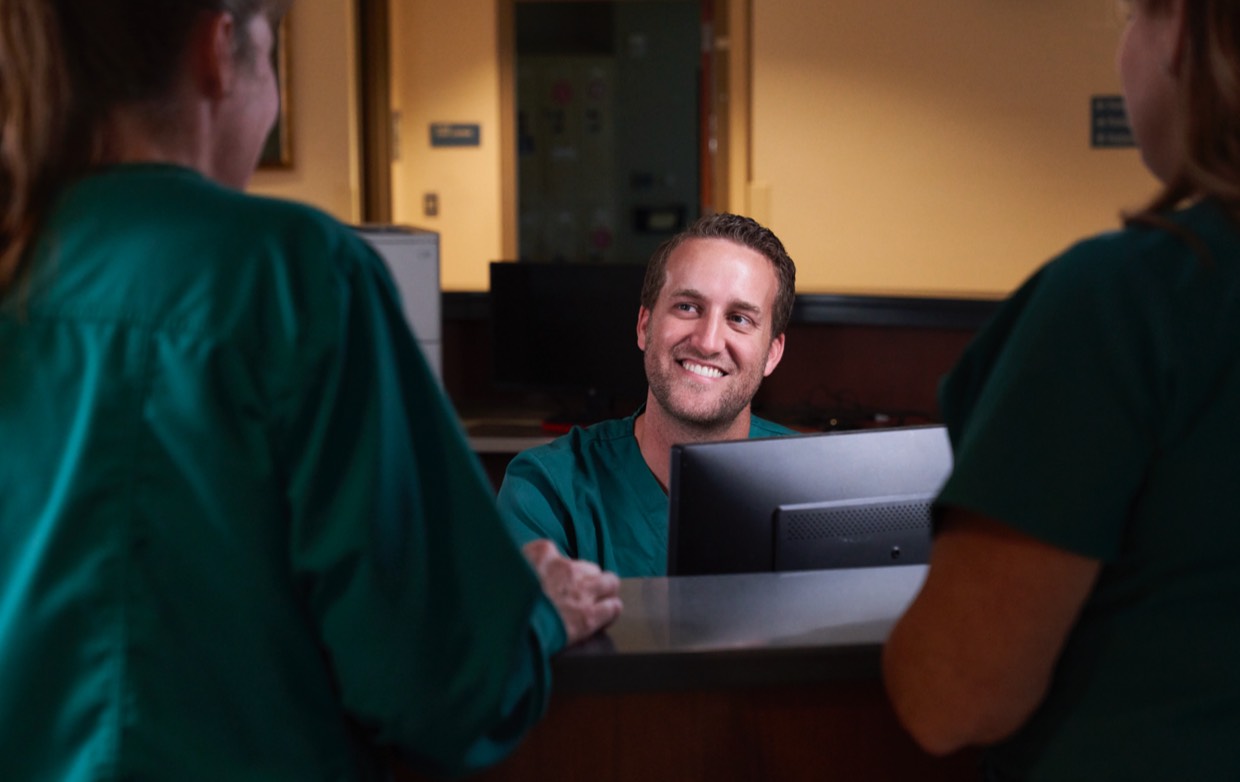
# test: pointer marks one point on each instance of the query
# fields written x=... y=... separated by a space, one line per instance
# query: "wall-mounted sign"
x=1108 y=126
x=455 y=134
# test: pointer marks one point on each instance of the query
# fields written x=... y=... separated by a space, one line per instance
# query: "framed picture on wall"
x=278 y=149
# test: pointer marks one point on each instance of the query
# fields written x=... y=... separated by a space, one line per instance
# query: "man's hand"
x=587 y=598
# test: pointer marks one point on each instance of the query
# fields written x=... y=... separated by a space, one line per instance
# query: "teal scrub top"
x=591 y=492
x=242 y=534
x=1098 y=412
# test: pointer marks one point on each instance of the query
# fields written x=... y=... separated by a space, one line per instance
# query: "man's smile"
x=702 y=370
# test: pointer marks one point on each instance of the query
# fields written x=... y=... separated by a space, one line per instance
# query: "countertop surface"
x=741 y=630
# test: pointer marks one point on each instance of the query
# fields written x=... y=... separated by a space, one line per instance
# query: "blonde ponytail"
x=34 y=109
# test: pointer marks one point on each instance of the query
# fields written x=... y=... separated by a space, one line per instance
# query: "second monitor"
x=569 y=330
x=805 y=502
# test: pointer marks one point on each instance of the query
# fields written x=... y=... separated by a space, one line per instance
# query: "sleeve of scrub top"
x=433 y=622
x=1050 y=410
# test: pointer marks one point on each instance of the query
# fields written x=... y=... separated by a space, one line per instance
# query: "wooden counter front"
x=768 y=676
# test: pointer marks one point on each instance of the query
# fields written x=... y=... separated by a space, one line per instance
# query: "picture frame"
x=278 y=148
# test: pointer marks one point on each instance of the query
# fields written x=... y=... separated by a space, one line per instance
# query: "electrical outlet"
x=430 y=204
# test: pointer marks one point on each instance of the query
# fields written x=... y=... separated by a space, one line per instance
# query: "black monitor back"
x=838 y=499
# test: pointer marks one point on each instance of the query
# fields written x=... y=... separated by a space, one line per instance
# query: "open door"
x=615 y=125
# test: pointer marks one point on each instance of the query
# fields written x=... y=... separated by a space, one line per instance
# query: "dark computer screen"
x=805 y=502
x=568 y=329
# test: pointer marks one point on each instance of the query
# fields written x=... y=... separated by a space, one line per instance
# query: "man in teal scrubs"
x=715 y=305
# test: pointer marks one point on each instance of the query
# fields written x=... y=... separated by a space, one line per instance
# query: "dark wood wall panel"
x=847 y=360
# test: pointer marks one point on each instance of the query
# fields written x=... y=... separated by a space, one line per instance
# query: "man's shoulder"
x=567 y=472
x=584 y=442
x=760 y=427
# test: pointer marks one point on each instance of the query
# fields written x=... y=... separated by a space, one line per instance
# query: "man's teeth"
x=699 y=369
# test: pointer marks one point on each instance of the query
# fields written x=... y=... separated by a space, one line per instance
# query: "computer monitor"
x=838 y=499
x=568 y=329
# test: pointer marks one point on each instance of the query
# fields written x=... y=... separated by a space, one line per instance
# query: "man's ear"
x=643 y=320
x=773 y=354
x=211 y=54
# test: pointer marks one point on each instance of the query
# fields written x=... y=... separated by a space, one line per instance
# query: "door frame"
x=374 y=90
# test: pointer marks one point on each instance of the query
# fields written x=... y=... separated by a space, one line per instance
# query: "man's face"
x=708 y=338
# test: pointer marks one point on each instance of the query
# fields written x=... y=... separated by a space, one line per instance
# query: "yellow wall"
x=323 y=105
x=896 y=146
x=905 y=146
x=445 y=68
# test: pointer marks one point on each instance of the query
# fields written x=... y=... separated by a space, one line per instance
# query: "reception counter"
x=768 y=676
x=757 y=629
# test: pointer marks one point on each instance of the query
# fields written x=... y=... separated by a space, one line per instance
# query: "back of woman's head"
x=64 y=65
x=1209 y=110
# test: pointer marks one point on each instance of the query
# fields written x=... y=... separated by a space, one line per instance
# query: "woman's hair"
x=743 y=231
x=1209 y=110
x=64 y=64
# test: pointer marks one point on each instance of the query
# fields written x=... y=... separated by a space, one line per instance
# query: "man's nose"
x=708 y=334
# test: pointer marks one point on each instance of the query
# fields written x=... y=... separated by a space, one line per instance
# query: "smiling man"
x=714 y=307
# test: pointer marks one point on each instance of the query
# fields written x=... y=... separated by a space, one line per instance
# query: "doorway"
x=614 y=125
x=607 y=102
x=722 y=149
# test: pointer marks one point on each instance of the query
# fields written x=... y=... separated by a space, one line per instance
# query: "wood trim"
x=737 y=146
x=375 y=115
x=507 y=33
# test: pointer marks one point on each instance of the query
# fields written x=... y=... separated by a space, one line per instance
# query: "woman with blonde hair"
x=241 y=535
x=1080 y=611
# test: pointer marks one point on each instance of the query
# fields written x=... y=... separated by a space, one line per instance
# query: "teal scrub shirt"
x=591 y=493
x=1098 y=413
x=242 y=535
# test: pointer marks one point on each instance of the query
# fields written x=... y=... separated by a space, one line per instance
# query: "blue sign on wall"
x=1109 y=122
x=455 y=134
